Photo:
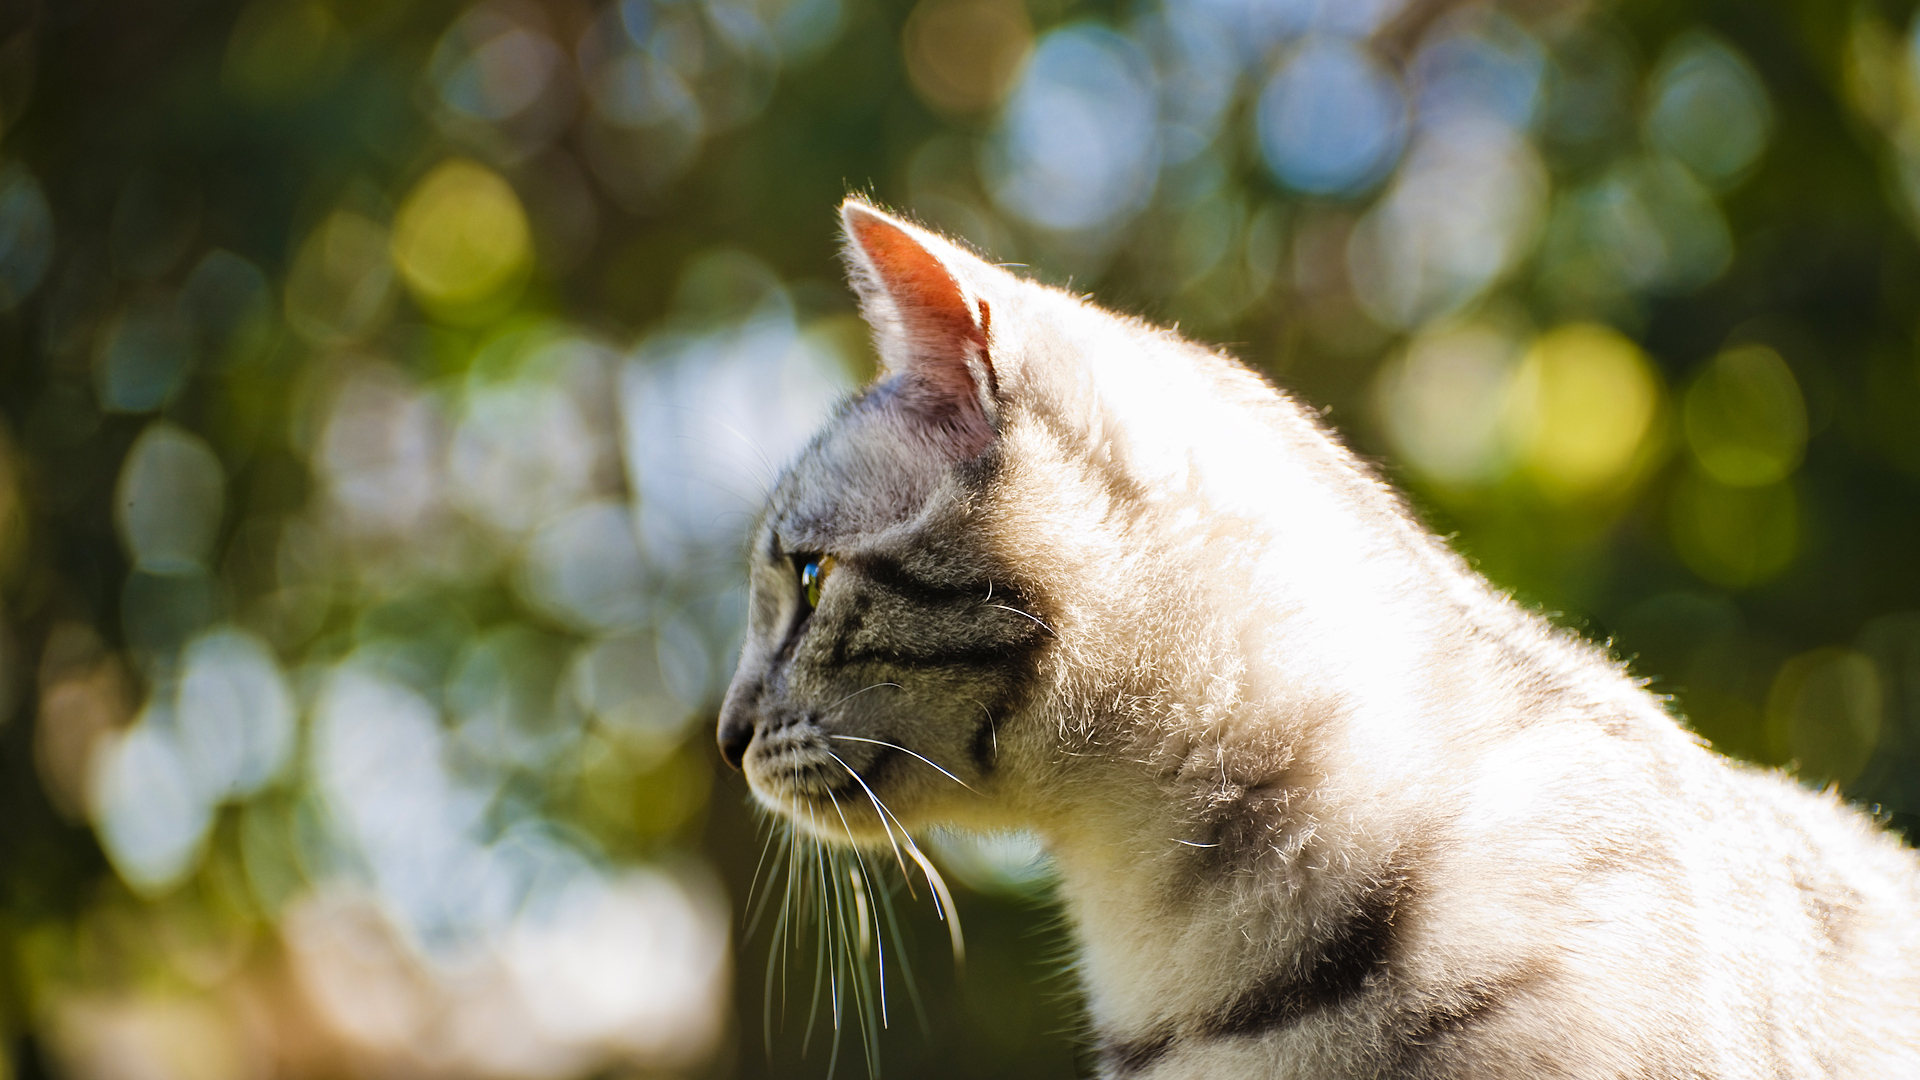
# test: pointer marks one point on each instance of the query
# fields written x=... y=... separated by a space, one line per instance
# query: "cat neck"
x=1221 y=852
x=1264 y=684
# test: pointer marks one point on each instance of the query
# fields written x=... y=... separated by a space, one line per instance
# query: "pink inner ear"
x=937 y=330
x=924 y=291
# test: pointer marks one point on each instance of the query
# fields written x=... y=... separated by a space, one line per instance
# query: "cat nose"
x=734 y=735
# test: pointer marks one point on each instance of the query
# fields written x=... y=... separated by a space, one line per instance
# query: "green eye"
x=812 y=576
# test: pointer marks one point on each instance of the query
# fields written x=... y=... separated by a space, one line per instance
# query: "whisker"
x=820 y=954
x=782 y=926
x=766 y=463
x=859 y=987
x=934 y=881
x=753 y=883
x=776 y=960
x=851 y=771
x=859 y=886
x=794 y=880
x=775 y=956
x=854 y=990
x=939 y=885
x=867 y=910
x=993 y=729
x=860 y=691
x=904 y=750
x=906 y=957
x=833 y=889
x=834 y=924
x=1028 y=614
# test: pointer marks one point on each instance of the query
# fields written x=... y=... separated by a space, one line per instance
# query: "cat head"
x=1038 y=520
x=892 y=648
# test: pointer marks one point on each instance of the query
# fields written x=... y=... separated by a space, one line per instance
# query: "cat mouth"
x=794 y=770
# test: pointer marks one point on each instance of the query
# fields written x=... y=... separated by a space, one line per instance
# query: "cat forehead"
x=865 y=472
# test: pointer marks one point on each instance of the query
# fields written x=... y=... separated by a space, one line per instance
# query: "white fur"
x=1254 y=646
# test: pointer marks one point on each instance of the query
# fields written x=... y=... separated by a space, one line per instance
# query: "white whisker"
x=860 y=885
x=904 y=750
x=883 y=811
x=1028 y=614
x=939 y=885
x=860 y=691
x=943 y=897
x=834 y=923
x=754 y=882
x=993 y=729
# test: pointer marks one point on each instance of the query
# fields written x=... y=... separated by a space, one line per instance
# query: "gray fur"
x=1324 y=803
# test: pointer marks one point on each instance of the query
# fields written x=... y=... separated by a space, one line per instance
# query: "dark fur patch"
x=892 y=575
x=984 y=746
x=981 y=638
x=1463 y=1009
x=1440 y=1029
x=1328 y=975
x=1124 y=1057
x=1008 y=659
x=903 y=622
x=850 y=625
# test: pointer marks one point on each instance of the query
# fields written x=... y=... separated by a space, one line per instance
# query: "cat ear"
x=919 y=294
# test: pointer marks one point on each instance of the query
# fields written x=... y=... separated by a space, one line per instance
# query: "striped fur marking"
x=1465 y=1007
x=892 y=575
x=1343 y=967
x=1346 y=964
x=1126 y=1057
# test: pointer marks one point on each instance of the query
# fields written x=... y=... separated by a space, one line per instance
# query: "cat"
x=1322 y=801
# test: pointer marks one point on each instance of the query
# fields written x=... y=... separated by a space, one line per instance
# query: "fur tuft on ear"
x=929 y=324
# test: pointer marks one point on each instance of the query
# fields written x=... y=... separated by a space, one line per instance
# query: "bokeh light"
x=169 y=501
x=1462 y=211
x=283 y=51
x=1708 y=109
x=1077 y=145
x=144 y=356
x=340 y=286
x=26 y=235
x=147 y=805
x=1746 y=420
x=1447 y=402
x=1734 y=536
x=503 y=82
x=1584 y=409
x=1492 y=69
x=235 y=713
x=1332 y=119
x=460 y=239
x=230 y=305
x=963 y=56
x=1824 y=713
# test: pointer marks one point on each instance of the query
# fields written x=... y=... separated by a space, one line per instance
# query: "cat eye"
x=813 y=575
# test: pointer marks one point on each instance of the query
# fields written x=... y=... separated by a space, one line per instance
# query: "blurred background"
x=385 y=387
